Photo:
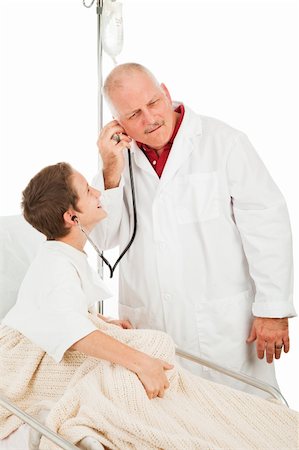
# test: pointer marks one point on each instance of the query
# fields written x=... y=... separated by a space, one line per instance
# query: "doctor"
x=211 y=263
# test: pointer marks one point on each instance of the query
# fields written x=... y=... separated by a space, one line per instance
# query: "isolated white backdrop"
x=233 y=60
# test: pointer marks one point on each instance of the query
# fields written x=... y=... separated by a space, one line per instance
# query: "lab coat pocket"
x=137 y=316
x=223 y=327
x=197 y=197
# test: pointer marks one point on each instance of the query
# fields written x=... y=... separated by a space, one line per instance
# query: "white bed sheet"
x=19 y=243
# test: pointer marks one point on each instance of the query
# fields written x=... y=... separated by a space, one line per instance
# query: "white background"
x=233 y=60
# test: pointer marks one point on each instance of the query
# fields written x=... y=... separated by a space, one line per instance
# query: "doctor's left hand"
x=271 y=335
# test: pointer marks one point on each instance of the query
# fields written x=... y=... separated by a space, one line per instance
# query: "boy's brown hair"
x=47 y=197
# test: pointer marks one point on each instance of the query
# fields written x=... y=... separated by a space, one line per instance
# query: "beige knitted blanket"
x=96 y=398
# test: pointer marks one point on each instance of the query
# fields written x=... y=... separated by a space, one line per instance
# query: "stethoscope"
x=75 y=219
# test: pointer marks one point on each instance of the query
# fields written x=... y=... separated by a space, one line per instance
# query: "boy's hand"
x=125 y=324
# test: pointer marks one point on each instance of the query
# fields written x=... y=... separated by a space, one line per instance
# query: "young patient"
x=52 y=306
x=101 y=384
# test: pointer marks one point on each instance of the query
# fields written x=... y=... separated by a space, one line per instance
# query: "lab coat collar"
x=191 y=123
x=185 y=142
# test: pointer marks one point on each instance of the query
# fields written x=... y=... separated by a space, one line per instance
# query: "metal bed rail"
x=38 y=426
x=233 y=374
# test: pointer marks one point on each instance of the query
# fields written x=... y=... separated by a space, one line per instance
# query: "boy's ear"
x=67 y=216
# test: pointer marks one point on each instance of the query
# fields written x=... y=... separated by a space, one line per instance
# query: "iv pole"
x=99 y=11
x=99 y=63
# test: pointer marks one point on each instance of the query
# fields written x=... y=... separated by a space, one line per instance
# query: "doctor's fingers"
x=286 y=343
x=281 y=344
x=112 y=139
x=266 y=348
x=278 y=351
x=111 y=129
x=111 y=147
x=270 y=351
x=261 y=345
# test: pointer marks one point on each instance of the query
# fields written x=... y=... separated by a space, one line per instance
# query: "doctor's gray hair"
x=47 y=197
x=117 y=77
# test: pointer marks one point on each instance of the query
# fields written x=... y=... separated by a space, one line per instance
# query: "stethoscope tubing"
x=105 y=260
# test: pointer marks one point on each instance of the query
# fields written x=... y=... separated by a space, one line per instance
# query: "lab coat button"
x=162 y=245
x=167 y=297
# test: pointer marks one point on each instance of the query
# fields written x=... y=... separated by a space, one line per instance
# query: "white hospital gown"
x=53 y=300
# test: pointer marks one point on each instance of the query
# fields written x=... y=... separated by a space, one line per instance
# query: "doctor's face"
x=90 y=210
x=144 y=110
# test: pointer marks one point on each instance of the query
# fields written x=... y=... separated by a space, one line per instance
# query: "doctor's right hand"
x=152 y=375
x=111 y=152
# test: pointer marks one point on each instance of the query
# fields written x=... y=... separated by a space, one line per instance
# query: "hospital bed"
x=19 y=242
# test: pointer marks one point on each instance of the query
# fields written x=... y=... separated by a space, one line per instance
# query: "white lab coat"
x=213 y=245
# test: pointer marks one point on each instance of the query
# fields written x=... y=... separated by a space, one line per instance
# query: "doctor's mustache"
x=154 y=126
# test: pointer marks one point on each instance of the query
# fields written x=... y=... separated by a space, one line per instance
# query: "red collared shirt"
x=158 y=162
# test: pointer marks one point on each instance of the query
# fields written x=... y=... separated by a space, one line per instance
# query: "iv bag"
x=112 y=28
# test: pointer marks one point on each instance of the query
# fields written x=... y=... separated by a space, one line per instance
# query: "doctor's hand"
x=151 y=373
x=271 y=335
x=111 y=151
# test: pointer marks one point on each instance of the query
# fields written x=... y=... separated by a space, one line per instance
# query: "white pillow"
x=19 y=243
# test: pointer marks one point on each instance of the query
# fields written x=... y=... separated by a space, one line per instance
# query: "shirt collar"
x=85 y=271
x=67 y=249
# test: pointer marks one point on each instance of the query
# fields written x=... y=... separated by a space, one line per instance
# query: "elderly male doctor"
x=211 y=263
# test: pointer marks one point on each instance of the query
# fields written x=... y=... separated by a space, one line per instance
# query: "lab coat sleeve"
x=262 y=219
x=106 y=233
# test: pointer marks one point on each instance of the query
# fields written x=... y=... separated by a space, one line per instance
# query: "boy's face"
x=91 y=211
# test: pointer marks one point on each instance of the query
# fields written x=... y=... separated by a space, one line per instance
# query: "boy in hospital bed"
x=103 y=380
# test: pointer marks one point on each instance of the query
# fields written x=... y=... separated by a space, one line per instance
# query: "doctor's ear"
x=166 y=91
